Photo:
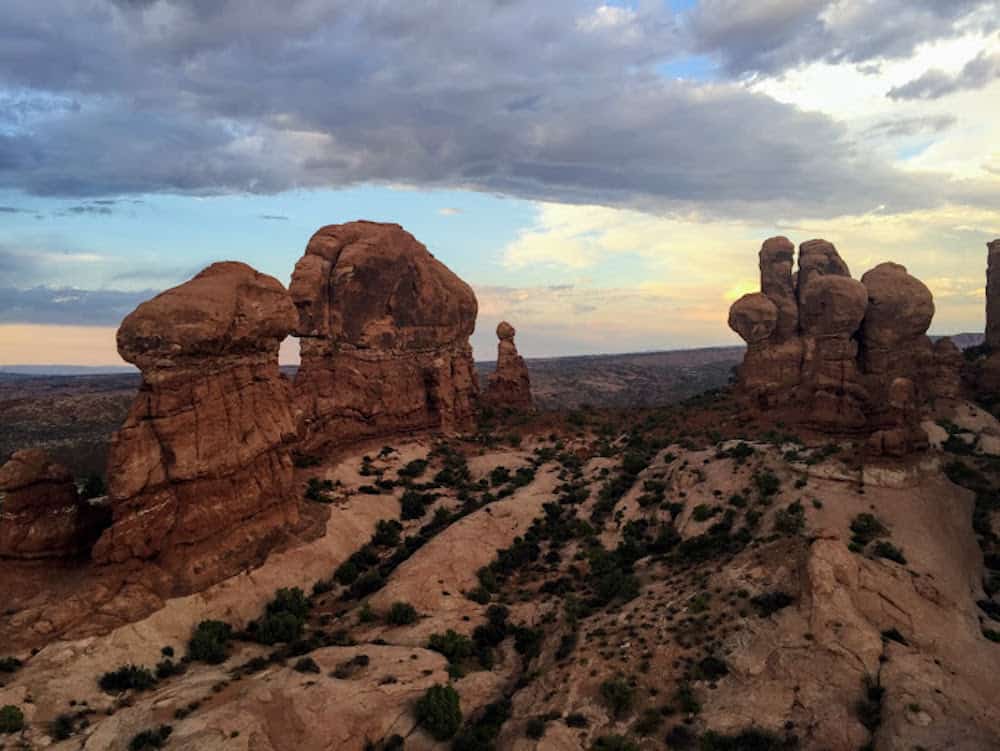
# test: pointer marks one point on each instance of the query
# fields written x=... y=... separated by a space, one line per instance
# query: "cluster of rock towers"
x=843 y=355
x=200 y=476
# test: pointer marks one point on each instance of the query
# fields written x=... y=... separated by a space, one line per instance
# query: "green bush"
x=127 y=677
x=454 y=646
x=885 y=549
x=535 y=728
x=278 y=628
x=306 y=665
x=614 y=743
x=11 y=719
x=62 y=727
x=401 y=614
x=290 y=600
x=703 y=512
x=210 y=642
x=93 y=487
x=387 y=533
x=439 y=712
x=155 y=738
x=790 y=520
x=751 y=739
x=10 y=664
x=865 y=528
x=617 y=695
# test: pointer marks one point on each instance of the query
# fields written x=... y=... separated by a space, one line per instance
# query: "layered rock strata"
x=200 y=474
x=384 y=334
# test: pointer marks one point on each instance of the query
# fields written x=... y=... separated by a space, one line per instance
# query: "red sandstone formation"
x=840 y=354
x=509 y=386
x=984 y=372
x=42 y=515
x=384 y=330
x=993 y=294
x=200 y=473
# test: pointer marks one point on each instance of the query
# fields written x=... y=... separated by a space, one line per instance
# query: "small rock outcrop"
x=840 y=354
x=983 y=369
x=384 y=334
x=200 y=474
x=509 y=386
x=41 y=515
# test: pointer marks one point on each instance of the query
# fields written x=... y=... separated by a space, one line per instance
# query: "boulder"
x=509 y=386
x=776 y=259
x=200 y=474
x=41 y=515
x=384 y=333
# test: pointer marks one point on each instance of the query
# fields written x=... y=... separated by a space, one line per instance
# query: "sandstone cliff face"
x=200 y=473
x=42 y=515
x=993 y=293
x=828 y=348
x=509 y=385
x=384 y=332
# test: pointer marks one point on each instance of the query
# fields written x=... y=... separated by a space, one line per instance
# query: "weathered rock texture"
x=509 y=386
x=41 y=515
x=993 y=294
x=200 y=473
x=829 y=349
x=384 y=331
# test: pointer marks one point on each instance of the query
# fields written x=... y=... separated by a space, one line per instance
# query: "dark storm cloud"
x=934 y=84
x=70 y=306
x=771 y=36
x=556 y=101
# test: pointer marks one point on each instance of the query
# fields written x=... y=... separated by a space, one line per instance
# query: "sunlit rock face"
x=200 y=474
x=384 y=333
x=829 y=349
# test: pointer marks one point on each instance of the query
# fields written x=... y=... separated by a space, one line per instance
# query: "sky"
x=602 y=174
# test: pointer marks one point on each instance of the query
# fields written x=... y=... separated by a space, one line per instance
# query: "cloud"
x=557 y=101
x=934 y=84
x=771 y=36
x=911 y=126
x=449 y=211
x=273 y=217
x=68 y=306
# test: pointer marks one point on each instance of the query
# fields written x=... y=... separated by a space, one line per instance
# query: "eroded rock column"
x=509 y=386
x=200 y=475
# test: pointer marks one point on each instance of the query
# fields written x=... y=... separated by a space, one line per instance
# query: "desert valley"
x=378 y=553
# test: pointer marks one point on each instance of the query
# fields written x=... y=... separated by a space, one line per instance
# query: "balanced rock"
x=200 y=474
x=509 y=386
x=384 y=334
x=777 y=256
x=41 y=515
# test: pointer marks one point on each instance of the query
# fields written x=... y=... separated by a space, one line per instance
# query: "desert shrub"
x=790 y=520
x=401 y=614
x=712 y=668
x=168 y=668
x=414 y=503
x=865 y=528
x=648 y=723
x=413 y=469
x=480 y=735
x=290 y=600
x=528 y=641
x=885 y=549
x=686 y=699
x=703 y=512
x=992 y=634
x=387 y=533
x=750 y=739
x=318 y=490
x=499 y=476
x=10 y=665
x=125 y=678
x=439 y=712
x=370 y=581
x=535 y=728
x=347 y=572
x=11 y=719
x=154 y=738
x=454 y=646
x=276 y=628
x=306 y=665
x=768 y=603
x=62 y=727
x=618 y=696
x=767 y=484
x=613 y=743
x=210 y=642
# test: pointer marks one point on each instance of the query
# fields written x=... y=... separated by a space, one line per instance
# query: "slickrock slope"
x=200 y=473
x=509 y=386
x=384 y=332
x=42 y=516
x=826 y=350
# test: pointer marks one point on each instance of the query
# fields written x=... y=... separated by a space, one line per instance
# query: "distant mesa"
x=839 y=354
x=384 y=333
x=509 y=386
